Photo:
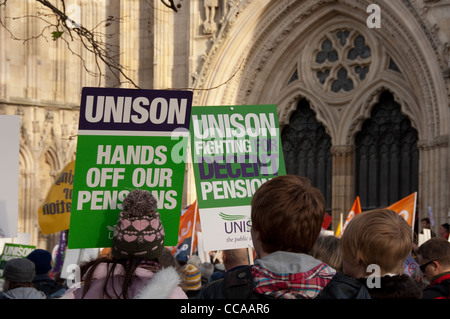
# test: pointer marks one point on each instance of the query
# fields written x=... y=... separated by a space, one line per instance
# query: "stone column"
x=163 y=46
x=343 y=177
x=113 y=9
x=434 y=180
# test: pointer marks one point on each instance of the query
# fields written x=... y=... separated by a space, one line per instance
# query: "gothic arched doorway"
x=387 y=156
x=306 y=147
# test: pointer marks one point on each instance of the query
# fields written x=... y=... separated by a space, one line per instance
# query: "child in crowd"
x=326 y=249
x=133 y=271
x=374 y=247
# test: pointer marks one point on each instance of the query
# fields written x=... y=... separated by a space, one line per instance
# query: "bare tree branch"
x=91 y=40
x=171 y=5
x=94 y=41
x=60 y=27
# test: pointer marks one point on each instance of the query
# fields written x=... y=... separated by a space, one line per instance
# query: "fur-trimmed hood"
x=164 y=285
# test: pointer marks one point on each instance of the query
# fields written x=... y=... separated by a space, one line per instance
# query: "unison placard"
x=126 y=141
x=235 y=149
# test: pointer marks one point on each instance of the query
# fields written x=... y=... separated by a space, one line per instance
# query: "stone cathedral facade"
x=364 y=108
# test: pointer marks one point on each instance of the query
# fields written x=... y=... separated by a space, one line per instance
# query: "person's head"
x=206 y=270
x=444 y=230
x=286 y=215
x=139 y=232
x=138 y=238
x=425 y=223
x=191 y=278
x=168 y=260
x=18 y=272
x=434 y=257
x=195 y=260
x=235 y=257
x=380 y=237
x=42 y=260
x=326 y=249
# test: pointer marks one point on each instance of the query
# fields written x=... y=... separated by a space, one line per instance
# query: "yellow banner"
x=54 y=213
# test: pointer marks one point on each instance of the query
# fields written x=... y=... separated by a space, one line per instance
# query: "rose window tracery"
x=342 y=61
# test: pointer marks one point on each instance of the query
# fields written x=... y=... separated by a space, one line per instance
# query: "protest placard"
x=54 y=213
x=9 y=172
x=126 y=141
x=410 y=266
x=234 y=149
x=11 y=251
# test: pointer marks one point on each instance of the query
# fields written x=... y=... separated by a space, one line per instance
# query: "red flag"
x=326 y=221
x=406 y=208
x=356 y=209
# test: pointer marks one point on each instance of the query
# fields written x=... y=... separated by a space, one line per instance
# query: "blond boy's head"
x=380 y=237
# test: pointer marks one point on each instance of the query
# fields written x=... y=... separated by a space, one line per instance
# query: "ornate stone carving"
x=440 y=141
x=342 y=61
x=209 y=25
x=342 y=150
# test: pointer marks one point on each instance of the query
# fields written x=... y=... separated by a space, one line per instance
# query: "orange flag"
x=406 y=208
x=187 y=233
x=356 y=209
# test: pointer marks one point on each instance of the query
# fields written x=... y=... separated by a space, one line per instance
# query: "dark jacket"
x=439 y=288
x=239 y=284
x=392 y=287
x=48 y=286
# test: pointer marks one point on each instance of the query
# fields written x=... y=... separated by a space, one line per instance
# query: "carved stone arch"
x=287 y=104
x=49 y=167
x=71 y=153
x=27 y=173
x=280 y=26
x=342 y=34
x=416 y=52
x=245 y=64
x=52 y=158
x=26 y=160
x=292 y=45
x=256 y=54
x=353 y=118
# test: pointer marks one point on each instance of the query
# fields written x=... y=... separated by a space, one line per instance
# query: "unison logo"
x=236 y=223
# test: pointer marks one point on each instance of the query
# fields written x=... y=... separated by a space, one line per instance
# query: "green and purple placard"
x=128 y=139
x=235 y=149
x=11 y=251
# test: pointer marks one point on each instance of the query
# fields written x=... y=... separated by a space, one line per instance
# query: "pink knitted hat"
x=139 y=231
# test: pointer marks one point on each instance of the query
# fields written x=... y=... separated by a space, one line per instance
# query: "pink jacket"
x=146 y=285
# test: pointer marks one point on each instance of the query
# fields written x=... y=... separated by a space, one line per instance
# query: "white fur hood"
x=163 y=285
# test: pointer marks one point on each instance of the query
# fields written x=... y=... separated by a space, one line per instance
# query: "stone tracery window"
x=387 y=156
x=338 y=64
x=342 y=61
x=307 y=149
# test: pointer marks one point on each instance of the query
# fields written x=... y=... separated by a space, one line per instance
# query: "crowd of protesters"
x=290 y=259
